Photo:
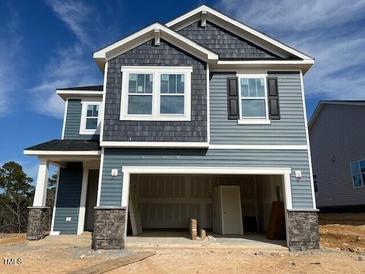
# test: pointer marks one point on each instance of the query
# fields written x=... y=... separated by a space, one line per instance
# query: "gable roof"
x=322 y=103
x=147 y=33
x=237 y=27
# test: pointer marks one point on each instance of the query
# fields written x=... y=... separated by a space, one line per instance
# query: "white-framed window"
x=156 y=93
x=253 y=105
x=358 y=173
x=90 y=117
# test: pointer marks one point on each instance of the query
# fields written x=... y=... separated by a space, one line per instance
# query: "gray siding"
x=111 y=188
x=289 y=130
x=225 y=43
x=73 y=118
x=156 y=131
x=68 y=199
x=337 y=138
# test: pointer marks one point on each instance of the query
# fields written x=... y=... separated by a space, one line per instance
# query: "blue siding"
x=289 y=130
x=111 y=188
x=73 y=119
x=68 y=200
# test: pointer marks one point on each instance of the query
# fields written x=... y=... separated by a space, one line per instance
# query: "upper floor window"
x=358 y=173
x=90 y=117
x=156 y=93
x=253 y=106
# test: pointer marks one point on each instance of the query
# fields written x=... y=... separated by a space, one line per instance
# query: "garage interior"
x=161 y=208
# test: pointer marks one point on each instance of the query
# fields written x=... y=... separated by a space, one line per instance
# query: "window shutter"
x=273 y=98
x=232 y=98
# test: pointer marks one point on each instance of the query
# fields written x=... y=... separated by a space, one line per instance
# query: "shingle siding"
x=73 y=119
x=147 y=54
x=337 y=138
x=68 y=199
x=289 y=130
x=111 y=188
x=226 y=44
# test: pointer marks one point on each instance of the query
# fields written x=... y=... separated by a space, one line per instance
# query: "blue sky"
x=46 y=45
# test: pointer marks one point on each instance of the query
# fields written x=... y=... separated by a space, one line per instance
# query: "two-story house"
x=186 y=107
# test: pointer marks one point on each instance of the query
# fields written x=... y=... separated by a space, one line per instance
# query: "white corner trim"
x=154 y=144
x=150 y=30
x=259 y=147
x=100 y=177
x=52 y=232
x=81 y=220
x=127 y=170
x=208 y=104
x=103 y=101
x=238 y=24
x=308 y=143
x=64 y=119
x=155 y=95
x=84 y=105
x=62 y=153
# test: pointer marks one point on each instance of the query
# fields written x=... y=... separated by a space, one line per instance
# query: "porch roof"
x=65 y=147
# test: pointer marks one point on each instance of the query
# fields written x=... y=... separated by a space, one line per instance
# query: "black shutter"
x=273 y=97
x=232 y=98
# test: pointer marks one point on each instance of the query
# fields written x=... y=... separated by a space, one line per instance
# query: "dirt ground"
x=342 y=250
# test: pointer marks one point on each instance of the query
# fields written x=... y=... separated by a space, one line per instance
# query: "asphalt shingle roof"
x=67 y=145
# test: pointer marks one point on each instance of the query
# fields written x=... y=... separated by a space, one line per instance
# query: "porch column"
x=38 y=213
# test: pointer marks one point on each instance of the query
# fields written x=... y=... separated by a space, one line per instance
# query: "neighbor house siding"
x=72 y=123
x=289 y=130
x=225 y=43
x=68 y=199
x=111 y=188
x=338 y=138
x=148 y=54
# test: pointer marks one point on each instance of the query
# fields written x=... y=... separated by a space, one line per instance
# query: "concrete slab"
x=181 y=239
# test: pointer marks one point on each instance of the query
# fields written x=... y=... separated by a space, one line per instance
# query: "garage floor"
x=181 y=239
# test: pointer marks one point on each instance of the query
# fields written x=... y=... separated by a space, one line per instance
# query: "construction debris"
x=193 y=229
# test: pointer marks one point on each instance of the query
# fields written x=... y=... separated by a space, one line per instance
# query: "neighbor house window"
x=253 y=99
x=90 y=117
x=358 y=173
x=156 y=93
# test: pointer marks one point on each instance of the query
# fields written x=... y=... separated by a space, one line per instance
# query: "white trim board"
x=264 y=147
x=64 y=119
x=62 y=153
x=235 y=25
x=82 y=208
x=153 y=144
x=65 y=94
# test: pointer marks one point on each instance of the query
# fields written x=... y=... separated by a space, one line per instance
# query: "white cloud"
x=10 y=44
x=324 y=29
x=68 y=67
x=71 y=65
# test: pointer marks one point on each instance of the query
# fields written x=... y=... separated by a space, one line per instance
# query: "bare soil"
x=342 y=250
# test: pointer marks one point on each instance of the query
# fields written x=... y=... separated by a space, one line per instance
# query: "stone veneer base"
x=109 y=228
x=38 y=223
x=303 y=230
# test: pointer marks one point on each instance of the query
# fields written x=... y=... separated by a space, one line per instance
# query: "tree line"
x=16 y=195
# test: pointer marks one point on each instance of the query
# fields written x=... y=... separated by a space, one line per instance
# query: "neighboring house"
x=198 y=102
x=337 y=137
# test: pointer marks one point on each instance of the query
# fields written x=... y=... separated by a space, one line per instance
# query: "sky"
x=48 y=44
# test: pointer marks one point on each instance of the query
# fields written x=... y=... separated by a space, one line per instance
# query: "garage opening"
x=232 y=209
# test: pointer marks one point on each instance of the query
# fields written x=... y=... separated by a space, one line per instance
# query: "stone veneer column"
x=303 y=230
x=109 y=228
x=38 y=223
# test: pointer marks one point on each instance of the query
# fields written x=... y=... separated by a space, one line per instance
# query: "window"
x=90 y=117
x=253 y=99
x=156 y=93
x=358 y=173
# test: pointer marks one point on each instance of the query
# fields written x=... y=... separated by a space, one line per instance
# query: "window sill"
x=89 y=132
x=254 y=122
x=151 y=118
